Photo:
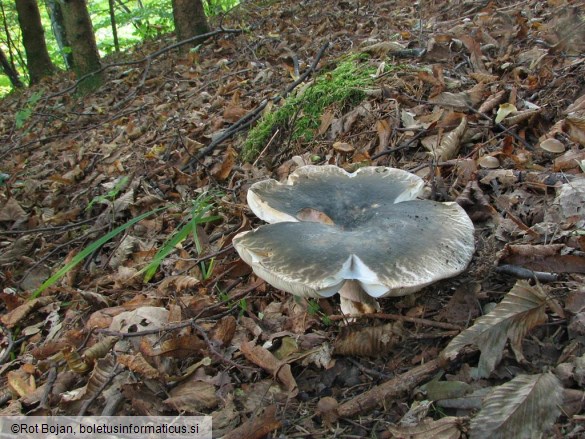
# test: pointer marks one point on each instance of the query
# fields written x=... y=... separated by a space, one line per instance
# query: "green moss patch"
x=301 y=113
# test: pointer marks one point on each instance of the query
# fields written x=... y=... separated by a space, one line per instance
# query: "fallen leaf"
x=525 y=407
x=521 y=310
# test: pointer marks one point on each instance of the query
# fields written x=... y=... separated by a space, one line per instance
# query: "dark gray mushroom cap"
x=379 y=234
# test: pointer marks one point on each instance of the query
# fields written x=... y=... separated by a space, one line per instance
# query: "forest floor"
x=485 y=101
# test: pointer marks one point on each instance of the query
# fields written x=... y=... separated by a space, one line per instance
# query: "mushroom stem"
x=354 y=300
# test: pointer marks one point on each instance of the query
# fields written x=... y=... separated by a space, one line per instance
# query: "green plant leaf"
x=89 y=250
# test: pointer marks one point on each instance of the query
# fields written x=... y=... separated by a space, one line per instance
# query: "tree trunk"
x=189 y=18
x=38 y=61
x=10 y=72
x=58 y=27
x=114 y=27
x=86 y=58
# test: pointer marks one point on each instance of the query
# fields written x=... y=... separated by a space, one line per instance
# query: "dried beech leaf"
x=100 y=349
x=483 y=77
x=450 y=143
x=575 y=127
x=100 y=375
x=16 y=315
x=519 y=117
x=326 y=120
x=263 y=358
x=138 y=364
x=492 y=102
x=459 y=101
x=193 y=396
x=525 y=407
x=382 y=49
x=180 y=282
x=182 y=346
x=449 y=427
x=368 y=342
x=224 y=331
x=521 y=310
x=74 y=360
x=21 y=382
x=384 y=131
x=12 y=212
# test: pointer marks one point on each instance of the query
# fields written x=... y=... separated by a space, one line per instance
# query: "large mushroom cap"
x=378 y=235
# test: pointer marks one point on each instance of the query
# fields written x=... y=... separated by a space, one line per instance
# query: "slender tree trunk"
x=86 y=58
x=114 y=27
x=38 y=60
x=189 y=18
x=58 y=27
x=10 y=72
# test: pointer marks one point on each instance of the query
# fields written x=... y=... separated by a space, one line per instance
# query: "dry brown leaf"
x=449 y=427
x=522 y=309
x=222 y=171
x=525 y=407
x=475 y=51
x=74 y=360
x=458 y=101
x=257 y=427
x=182 y=346
x=520 y=116
x=192 y=396
x=326 y=120
x=368 y=342
x=263 y=358
x=575 y=127
x=384 y=130
x=483 y=77
x=138 y=364
x=382 y=49
x=100 y=349
x=100 y=375
x=492 y=102
x=179 y=282
x=23 y=246
x=224 y=330
x=21 y=382
x=12 y=212
x=15 y=316
x=450 y=143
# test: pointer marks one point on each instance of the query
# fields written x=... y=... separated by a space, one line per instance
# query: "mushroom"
x=362 y=234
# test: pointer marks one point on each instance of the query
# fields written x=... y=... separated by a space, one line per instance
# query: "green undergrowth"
x=301 y=113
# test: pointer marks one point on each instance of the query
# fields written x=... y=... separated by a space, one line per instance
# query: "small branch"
x=388 y=391
x=398 y=317
x=525 y=273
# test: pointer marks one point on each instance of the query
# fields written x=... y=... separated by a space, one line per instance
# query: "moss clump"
x=342 y=86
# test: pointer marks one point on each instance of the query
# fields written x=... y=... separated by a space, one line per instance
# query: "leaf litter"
x=484 y=101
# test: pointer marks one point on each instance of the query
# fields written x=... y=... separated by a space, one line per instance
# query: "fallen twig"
x=388 y=391
x=525 y=273
x=398 y=317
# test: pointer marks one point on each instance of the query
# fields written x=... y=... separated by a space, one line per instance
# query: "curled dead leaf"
x=368 y=342
x=263 y=358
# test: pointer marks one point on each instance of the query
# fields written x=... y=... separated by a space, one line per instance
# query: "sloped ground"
x=484 y=101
